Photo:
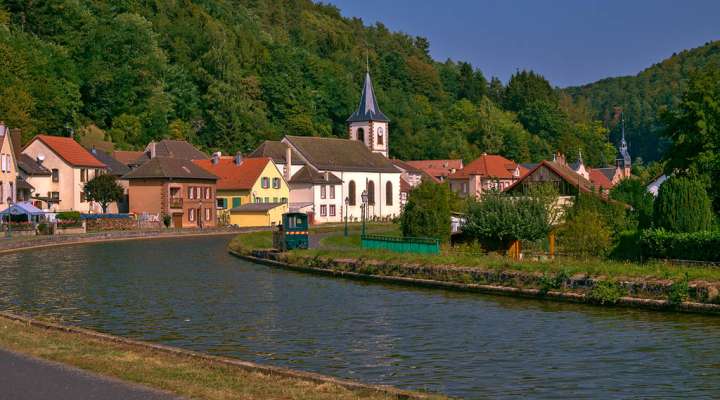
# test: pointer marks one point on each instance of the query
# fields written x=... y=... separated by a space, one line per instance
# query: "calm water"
x=190 y=293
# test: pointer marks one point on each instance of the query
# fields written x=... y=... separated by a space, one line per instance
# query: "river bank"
x=175 y=370
x=652 y=286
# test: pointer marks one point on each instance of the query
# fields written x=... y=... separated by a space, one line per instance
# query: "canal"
x=190 y=293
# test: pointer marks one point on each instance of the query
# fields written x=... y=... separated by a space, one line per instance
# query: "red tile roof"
x=437 y=168
x=70 y=151
x=599 y=179
x=489 y=165
x=232 y=176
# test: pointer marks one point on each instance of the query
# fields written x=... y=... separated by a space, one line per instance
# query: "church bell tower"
x=368 y=124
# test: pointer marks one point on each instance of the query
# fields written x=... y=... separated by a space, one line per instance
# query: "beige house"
x=8 y=168
x=70 y=165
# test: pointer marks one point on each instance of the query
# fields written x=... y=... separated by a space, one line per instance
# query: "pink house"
x=488 y=172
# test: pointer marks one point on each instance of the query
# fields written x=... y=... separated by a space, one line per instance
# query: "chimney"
x=216 y=157
x=288 y=163
x=238 y=158
x=151 y=148
x=327 y=176
x=16 y=137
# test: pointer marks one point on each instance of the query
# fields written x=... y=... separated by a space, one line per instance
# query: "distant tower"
x=368 y=124
x=624 y=162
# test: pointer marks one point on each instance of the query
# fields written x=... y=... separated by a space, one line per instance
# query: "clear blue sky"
x=571 y=42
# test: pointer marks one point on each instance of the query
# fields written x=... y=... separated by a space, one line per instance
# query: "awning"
x=22 y=208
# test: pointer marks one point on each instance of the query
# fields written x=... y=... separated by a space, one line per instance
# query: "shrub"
x=427 y=212
x=634 y=193
x=679 y=291
x=167 y=220
x=68 y=216
x=605 y=292
x=683 y=205
x=627 y=247
x=700 y=246
x=585 y=233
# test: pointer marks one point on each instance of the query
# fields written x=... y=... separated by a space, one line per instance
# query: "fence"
x=401 y=244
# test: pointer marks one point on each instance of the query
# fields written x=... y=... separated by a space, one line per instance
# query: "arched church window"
x=371 y=193
x=361 y=135
x=380 y=134
x=351 y=193
x=388 y=193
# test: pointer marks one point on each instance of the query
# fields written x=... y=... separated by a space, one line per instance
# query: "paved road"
x=27 y=378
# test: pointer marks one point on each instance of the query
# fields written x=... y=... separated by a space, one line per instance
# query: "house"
x=318 y=194
x=32 y=169
x=602 y=178
x=70 y=165
x=359 y=169
x=8 y=168
x=410 y=177
x=280 y=153
x=244 y=181
x=438 y=169
x=487 y=172
x=258 y=214
x=116 y=169
x=131 y=159
x=175 y=187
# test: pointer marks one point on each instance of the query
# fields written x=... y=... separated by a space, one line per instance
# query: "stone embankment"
x=656 y=294
x=32 y=242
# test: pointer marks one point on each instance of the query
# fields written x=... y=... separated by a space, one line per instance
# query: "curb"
x=626 y=301
x=235 y=363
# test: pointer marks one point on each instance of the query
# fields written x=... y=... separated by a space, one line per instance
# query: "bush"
x=167 y=220
x=700 y=246
x=634 y=193
x=585 y=233
x=427 y=212
x=68 y=216
x=683 y=205
x=627 y=247
x=605 y=292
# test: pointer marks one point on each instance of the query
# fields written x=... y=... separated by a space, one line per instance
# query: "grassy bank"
x=189 y=377
x=598 y=280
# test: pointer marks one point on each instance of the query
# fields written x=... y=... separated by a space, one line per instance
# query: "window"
x=208 y=214
x=464 y=187
x=323 y=191
x=258 y=199
x=221 y=203
x=54 y=195
x=82 y=197
x=197 y=193
x=332 y=210
x=55 y=175
x=361 y=135
x=275 y=200
x=265 y=183
x=351 y=193
x=98 y=172
x=83 y=175
x=191 y=215
x=208 y=193
x=380 y=139
x=236 y=202
x=388 y=193
x=276 y=183
x=371 y=193
x=2 y=162
x=332 y=191
x=283 y=200
x=267 y=200
x=323 y=210
x=190 y=192
x=2 y=192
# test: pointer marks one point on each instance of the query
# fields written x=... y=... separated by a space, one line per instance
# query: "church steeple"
x=624 y=162
x=368 y=124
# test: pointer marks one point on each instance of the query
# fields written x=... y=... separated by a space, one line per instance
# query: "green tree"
x=634 y=193
x=526 y=87
x=103 y=189
x=682 y=205
x=585 y=233
x=427 y=212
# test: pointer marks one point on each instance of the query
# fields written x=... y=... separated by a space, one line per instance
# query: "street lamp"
x=364 y=197
x=347 y=203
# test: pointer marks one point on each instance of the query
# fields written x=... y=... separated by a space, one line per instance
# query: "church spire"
x=368 y=109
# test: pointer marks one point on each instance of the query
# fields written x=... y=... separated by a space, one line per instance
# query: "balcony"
x=176 y=202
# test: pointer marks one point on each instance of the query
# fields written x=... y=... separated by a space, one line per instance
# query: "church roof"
x=332 y=154
x=368 y=109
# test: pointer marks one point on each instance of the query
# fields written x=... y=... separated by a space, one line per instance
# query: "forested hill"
x=228 y=74
x=642 y=96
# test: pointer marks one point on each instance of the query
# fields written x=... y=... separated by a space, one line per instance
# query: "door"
x=177 y=220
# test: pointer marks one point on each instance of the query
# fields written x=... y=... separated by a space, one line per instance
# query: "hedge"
x=105 y=216
x=696 y=246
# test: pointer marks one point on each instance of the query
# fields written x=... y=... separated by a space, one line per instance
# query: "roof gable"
x=488 y=165
x=69 y=150
x=169 y=168
x=114 y=167
x=333 y=154
x=176 y=149
x=308 y=174
x=277 y=151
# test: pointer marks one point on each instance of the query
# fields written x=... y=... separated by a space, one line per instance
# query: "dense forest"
x=229 y=74
x=643 y=97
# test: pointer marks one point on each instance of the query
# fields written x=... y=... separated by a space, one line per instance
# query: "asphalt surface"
x=27 y=378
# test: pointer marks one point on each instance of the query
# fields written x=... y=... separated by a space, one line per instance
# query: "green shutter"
x=236 y=202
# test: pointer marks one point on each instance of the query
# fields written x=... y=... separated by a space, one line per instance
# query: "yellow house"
x=244 y=181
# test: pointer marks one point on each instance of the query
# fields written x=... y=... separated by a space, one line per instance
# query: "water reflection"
x=190 y=293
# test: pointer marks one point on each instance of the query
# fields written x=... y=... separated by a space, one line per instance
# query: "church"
x=328 y=176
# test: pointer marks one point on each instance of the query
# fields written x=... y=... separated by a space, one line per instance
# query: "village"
x=173 y=183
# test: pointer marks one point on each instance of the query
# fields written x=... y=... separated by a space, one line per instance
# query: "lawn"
x=192 y=378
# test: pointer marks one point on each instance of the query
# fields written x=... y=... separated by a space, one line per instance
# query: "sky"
x=570 y=42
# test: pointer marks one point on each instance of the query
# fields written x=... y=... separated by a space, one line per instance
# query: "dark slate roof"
x=255 y=207
x=609 y=172
x=308 y=174
x=31 y=167
x=178 y=149
x=529 y=165
x=368 y=109
x=276 y=150
x=114 y=167
x=332 y=154
x=167 y=167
